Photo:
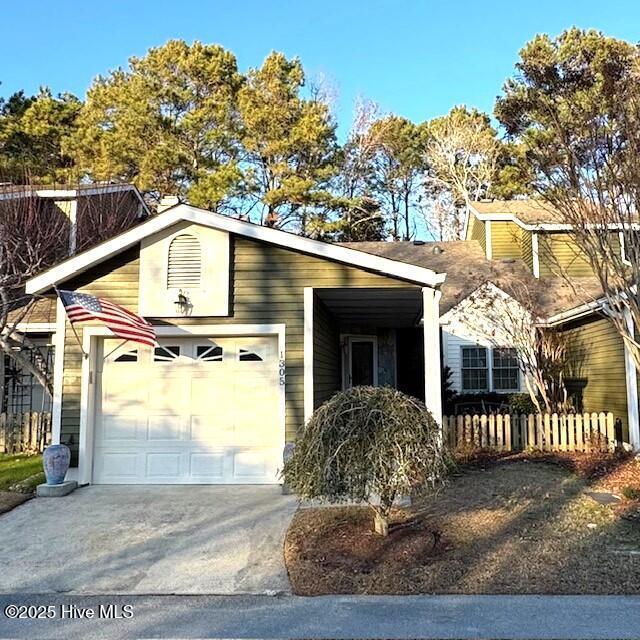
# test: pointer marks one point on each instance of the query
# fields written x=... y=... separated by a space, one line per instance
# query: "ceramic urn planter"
x=55 y=461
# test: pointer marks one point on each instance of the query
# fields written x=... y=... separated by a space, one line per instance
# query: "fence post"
x=492 y=430
x=611 y=433
x=579 y=432
x=476 y=430
x=500 y=427
x=467 y=429
x=547 y=432
x=531 y=435
x=603 y=444
x=507 y=432
x=483 y=431
x=523 y=431
x=460 y=431
x=555 y=432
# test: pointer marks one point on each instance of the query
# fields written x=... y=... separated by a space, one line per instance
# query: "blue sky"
x=415 y=58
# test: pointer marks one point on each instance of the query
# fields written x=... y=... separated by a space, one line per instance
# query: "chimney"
x=167 y=202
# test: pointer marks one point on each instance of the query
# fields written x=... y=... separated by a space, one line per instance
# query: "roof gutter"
x=572 y=314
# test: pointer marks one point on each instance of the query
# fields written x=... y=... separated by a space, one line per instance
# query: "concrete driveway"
x=148 y=540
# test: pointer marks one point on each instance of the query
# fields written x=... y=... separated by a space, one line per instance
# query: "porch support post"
x=632 y=389
x=308 y=353
x=431 y=327
x=58 y=372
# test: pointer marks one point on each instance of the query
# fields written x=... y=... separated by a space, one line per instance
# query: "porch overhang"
x=358 y=309
x=396 y=307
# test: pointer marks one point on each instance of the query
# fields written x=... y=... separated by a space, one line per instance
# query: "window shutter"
x=185 y=262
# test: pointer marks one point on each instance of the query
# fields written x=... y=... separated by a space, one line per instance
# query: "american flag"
x=82 y=307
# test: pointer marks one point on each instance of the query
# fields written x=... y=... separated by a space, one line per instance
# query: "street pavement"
x=154 y=616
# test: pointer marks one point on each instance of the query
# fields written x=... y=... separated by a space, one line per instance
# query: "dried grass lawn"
x=507 y=527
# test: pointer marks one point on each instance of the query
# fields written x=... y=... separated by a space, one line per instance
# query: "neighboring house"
x=85 y=207
x=269 y=325
x=566 y=295
x=522 y=250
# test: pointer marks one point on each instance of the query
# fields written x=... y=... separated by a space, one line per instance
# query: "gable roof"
x=468 y=269
x=182 y=212
x=528 y=211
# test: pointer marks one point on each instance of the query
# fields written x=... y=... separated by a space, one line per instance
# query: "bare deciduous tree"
x=36 y=233
x=462 y=152
x=511 y=321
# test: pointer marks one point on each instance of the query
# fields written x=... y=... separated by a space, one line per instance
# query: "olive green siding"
x=506 y=240
x=477 y=231
x=268 y=288
x=560 y=255
x=596 y=353
x=327 y=357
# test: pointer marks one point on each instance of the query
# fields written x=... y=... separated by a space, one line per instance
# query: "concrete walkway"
x=148 y=540
x=337 y=617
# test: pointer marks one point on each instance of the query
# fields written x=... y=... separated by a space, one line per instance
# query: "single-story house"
x=256 y=328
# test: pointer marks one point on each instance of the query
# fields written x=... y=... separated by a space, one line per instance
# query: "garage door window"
x=209 y=353
x=166 y=354
x=129 y=356
x=249 y=355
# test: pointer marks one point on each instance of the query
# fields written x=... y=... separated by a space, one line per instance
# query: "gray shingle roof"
x=467 y=269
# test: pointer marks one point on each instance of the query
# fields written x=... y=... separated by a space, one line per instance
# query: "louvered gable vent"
x=185 y=262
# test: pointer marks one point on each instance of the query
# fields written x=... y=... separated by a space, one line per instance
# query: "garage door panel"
x=165 y=427
x=211 y=394
x=162 y=465
x=207 y=465
x=216 y=430
x=119 y=393
x=118 y=465
x=169 y=395
x=209 y=415
x=249 y=464
x=119 y=427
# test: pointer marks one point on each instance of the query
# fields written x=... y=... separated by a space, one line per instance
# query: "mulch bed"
x=10 y=499
x=499 y=526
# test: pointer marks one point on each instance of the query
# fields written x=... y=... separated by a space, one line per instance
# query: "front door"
x=362 y=367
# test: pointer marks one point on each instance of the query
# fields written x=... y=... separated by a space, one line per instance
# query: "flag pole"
x=75 y=333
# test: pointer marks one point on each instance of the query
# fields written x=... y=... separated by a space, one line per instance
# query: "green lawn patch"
x=17 y=467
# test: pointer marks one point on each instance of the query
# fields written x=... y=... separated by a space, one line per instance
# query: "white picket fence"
x=546 y=432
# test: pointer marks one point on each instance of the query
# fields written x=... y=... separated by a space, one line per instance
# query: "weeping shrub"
x=365 y=442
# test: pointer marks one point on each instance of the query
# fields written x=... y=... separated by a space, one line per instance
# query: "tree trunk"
x=380 y=525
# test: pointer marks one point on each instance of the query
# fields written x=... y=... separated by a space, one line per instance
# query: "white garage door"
x=192 y=411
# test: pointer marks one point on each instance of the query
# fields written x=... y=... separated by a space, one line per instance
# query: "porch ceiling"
x=382 y=307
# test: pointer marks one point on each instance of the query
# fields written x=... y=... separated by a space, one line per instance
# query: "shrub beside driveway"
x=502 y=528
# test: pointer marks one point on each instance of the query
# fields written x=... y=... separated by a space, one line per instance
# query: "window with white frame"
x=505 y=373
x=475 y=373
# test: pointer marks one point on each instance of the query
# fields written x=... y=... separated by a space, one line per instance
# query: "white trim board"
x=88 y=376
x=537 y=226
x=631 y=376
x=105 y=250
x=308 y=353
x=36 y=327
x=58 y=372
x=488 y=240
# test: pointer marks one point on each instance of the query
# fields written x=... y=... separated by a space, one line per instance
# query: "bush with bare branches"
x=367 y=444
